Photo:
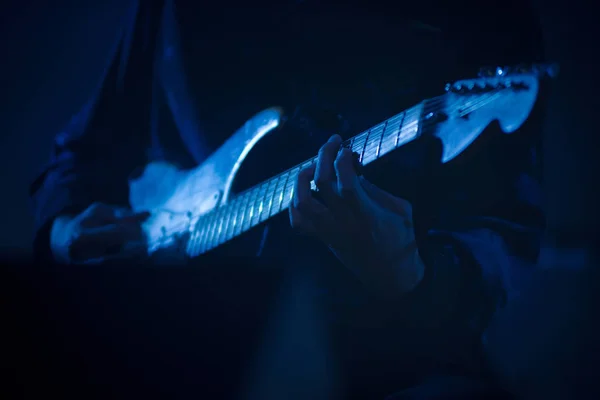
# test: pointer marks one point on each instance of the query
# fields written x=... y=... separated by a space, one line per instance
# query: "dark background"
x=54 y=52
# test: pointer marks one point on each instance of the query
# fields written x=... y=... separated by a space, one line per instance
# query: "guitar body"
x=177 y=198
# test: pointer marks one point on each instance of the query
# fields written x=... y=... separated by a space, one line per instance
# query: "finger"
x=325 y=177
x=303 y=199
x=101 y=214
x=99 y=241
x=347 y=179
x=306 y=213
x=300 y=224
x=386 y=199
x=348 y=183
x=321 y=226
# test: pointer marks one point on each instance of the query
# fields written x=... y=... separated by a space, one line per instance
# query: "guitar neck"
x=261 y=202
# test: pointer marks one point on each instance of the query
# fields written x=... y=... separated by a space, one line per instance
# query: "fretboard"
x=273 y=196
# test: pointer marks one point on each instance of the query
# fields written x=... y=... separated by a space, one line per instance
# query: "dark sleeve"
x=101 y=145
x=471 y=271
x=481 y=235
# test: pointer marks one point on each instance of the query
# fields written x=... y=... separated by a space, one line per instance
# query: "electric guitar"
x=194 y=211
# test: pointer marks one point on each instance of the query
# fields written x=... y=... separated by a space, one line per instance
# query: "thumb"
x=385 y=199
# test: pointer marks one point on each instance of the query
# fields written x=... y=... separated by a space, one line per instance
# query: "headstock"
x=539 y=70
x=498 y=78
x=506 y=95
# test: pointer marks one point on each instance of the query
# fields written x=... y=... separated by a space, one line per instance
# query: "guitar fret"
x=218 y=223
x=362 y=153
x=240 y=213
x=270 y=194
x=279 y=192
x=204 y=233
x=381 y=140
x=232 y=222
x=247 y=218
x=393 y=126
x=197 y=236
x=225 y=220
x=410 y=126
x=249 y=213
x=351 y=144
x=214 y=240
x=243 y=206
x=372 y=144
x=258 y=205
x=263 y=201
x=210 y=230
x=288 y=191
x=220 y=219
x=357 y=143
x=400 y=127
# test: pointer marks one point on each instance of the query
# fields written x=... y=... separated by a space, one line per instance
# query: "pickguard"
x=177 y=198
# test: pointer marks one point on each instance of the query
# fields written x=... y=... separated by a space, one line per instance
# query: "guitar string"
x=466 y=109
x=311 y=160
x=178 y=229
x=215 y=235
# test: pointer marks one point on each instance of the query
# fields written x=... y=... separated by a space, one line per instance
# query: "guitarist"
x=440 y=258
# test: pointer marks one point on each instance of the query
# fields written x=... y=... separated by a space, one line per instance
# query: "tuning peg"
x=460 y=88
x=522 y=69
x=463 y=88
x=487 y=72
x=501 y=71
x=454 y=88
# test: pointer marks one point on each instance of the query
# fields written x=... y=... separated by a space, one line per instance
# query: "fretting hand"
x=368 y=229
